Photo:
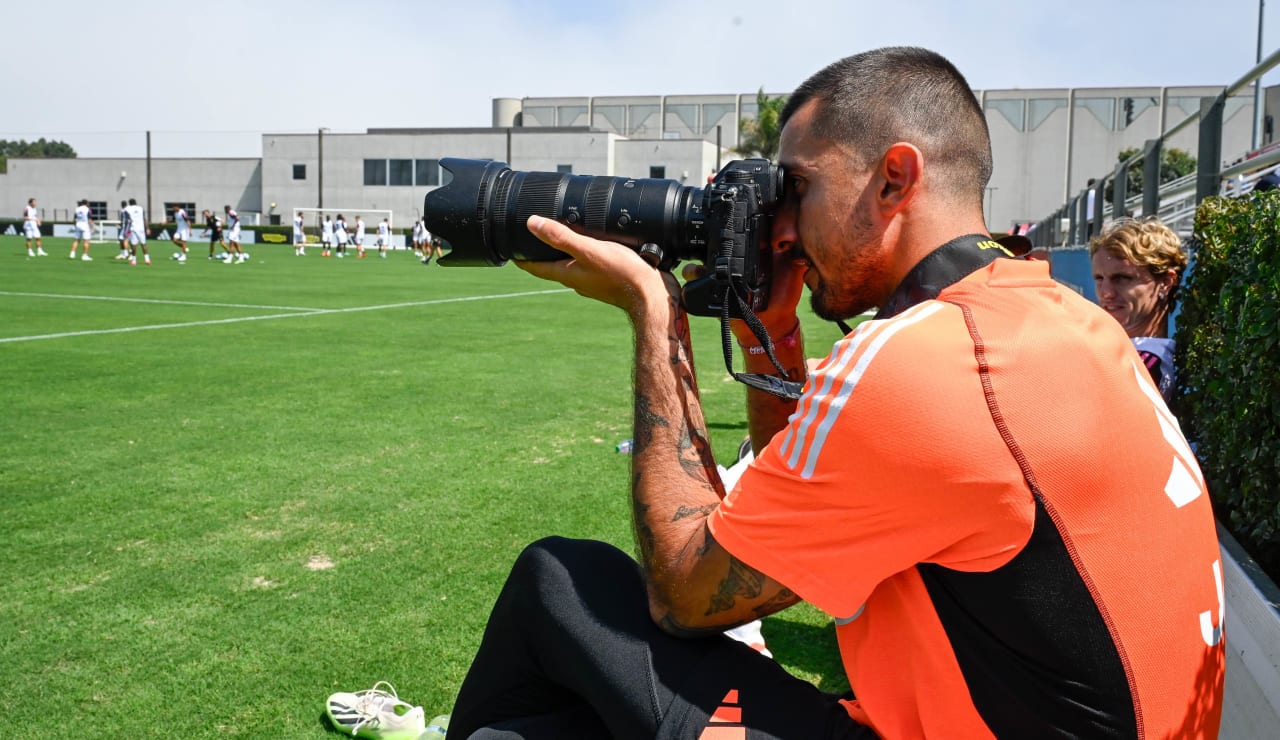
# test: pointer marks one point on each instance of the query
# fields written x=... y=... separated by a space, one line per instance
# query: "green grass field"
x=230 y=490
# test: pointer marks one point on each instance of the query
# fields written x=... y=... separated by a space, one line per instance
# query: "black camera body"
x=482 y=213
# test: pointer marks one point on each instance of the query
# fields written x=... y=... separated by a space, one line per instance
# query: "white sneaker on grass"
x=86 y=258
x=375 y=714
x=42 y=253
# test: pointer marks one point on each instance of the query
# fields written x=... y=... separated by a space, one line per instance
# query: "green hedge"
x=1228 y=357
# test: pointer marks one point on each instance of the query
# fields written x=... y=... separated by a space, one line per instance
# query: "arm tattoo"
x=684 y=512
x=741 y=580
x=645 y=540
x=672 y=627
x=645 y=421
x=779 y=601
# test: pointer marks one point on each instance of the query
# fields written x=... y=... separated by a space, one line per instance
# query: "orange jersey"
x=989 y=495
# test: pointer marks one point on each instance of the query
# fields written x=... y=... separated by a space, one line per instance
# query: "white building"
x=1046 y=145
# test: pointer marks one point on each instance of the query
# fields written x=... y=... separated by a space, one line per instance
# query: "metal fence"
x=1175 y=202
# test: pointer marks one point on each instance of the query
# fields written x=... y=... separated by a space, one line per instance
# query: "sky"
x=208 y=78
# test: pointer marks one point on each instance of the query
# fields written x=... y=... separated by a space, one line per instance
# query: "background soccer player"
x=84 y=226
x=235 y=253
x=31 y=229
x=181 y=231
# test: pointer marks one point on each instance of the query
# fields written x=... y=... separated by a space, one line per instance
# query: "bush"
x=1228 y=358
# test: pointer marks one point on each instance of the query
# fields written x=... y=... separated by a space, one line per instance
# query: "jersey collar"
x=941 y=268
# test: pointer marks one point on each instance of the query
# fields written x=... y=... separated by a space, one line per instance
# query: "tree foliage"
x=40 y=149
x=759 y=136
x=1228 y=359
x=1174 y=163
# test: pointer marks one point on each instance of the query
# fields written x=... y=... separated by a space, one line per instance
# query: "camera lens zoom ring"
x=597 y=204
x=537 y=196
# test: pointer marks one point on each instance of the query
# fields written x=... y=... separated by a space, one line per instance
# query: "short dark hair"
x=133 y=202
x=902 y=93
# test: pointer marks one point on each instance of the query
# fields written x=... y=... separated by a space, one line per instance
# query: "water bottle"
x=624 y=447
x=436 y=729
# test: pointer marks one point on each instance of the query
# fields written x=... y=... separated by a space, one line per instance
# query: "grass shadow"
x=807 y=650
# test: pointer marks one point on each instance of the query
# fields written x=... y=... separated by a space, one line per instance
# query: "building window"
x=643 y=121
x=538 y=115
x=299 y=172
x=1190 y=106
x=609 y=117
x=1041 y=109
x=98 y=210
x=1012 y=110
x=1103 y=109
x=682 y=118
x=657 y=172
x=718 y=114
x=401 y=171
x=427 y=172
x=1132 y=108
x=170 y=208
x=564 y=169
x=375 y=172
x=571 y=115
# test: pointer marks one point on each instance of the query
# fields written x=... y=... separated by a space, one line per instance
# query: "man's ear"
x=901 y=170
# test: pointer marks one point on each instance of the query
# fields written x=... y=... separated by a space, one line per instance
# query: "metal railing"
x=1174 y=202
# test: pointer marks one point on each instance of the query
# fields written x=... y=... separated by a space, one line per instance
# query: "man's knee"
x=553 y=567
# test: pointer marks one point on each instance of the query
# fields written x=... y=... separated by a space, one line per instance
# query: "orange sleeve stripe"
x=835 y=381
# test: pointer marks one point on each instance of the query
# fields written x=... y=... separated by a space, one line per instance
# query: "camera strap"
x=775 y=385
x=939 y=269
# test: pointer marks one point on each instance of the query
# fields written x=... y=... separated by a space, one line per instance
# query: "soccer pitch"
x=230 y=490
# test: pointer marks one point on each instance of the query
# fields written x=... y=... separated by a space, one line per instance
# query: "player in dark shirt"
x=213 y=225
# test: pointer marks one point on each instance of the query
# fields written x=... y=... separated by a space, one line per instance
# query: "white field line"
x=300 y=312
x=153 y=300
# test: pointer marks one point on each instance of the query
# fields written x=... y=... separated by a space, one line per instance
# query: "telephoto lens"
x=483 y=212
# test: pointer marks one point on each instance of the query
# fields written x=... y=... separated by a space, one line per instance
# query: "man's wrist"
x=790 y=340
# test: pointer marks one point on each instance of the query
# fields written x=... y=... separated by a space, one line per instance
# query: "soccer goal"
x=105 y=231
x=313 y=224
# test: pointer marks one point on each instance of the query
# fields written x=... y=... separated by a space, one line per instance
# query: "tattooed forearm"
x=645 y=541
x=684 y=512
x=779 y=601
x=645 y=422
x=672 y=627
x=741 y=580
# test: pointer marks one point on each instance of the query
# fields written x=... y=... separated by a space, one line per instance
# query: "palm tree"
x=759 y=136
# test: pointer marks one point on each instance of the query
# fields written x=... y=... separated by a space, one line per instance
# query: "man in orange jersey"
x=981 y=485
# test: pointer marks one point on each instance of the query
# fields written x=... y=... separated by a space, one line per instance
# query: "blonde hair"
x=1146 y=243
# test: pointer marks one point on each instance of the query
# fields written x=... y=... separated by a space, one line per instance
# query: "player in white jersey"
x=418 y=229
x=360 y=237
x=181 y=232
x=236 y=254
x=384 y=238
x=83 y=229
x=31 y=229
x=326 y=236
x=299 y=236
x=340 y=235
x=135 y=229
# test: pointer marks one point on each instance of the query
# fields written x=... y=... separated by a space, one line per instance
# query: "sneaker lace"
x=371 y=702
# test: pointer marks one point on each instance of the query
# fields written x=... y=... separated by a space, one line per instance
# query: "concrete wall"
x=1047 y=144
x=586 y=152
x=58 y=184
x=688 y=161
